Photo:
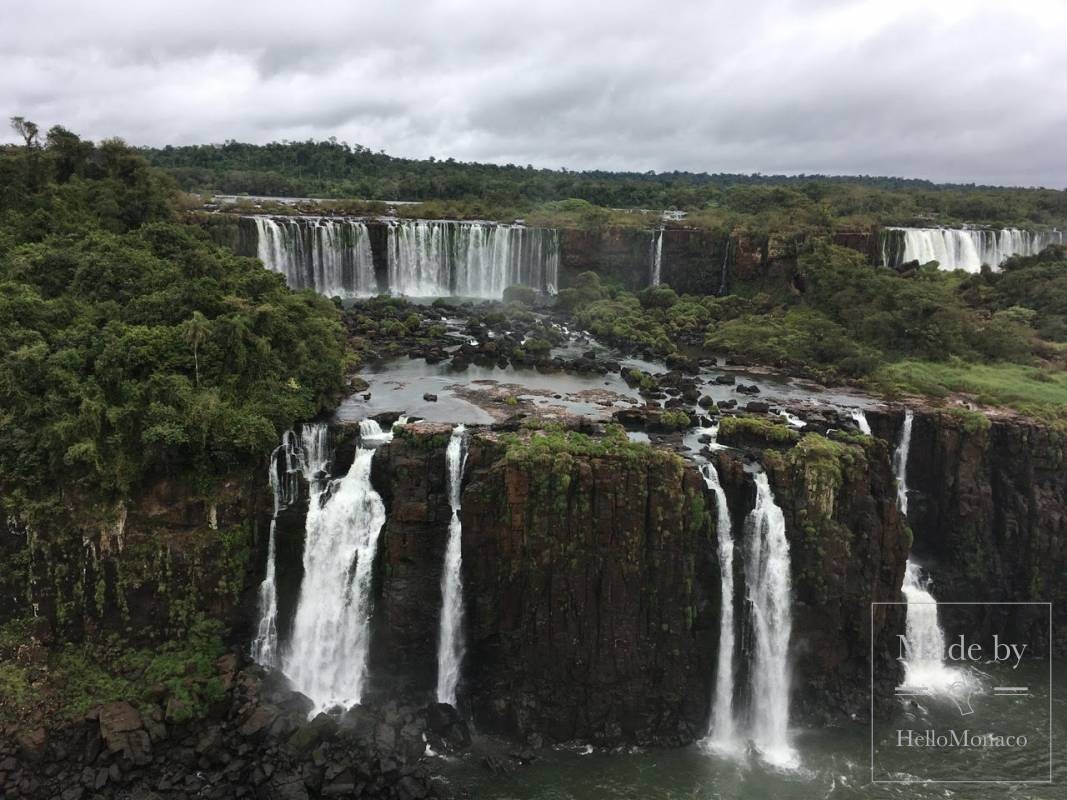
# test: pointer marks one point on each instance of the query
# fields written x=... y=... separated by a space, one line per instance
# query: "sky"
x=949 y=91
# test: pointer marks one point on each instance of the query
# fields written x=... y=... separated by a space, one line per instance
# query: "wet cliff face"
x=593 y=597
x=147 y=567
x=988 y=509
x=591 y=583
x=848 y=548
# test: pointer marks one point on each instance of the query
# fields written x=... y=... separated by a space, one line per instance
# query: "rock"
x=743 y=389
x=757 y=406
x=343 y=785
x=286 y=786
x=429 y=397
x=498 y=766
x=725 y=380
x=407 y=788
x=308 y=737
x=705 y=401
x=32 y=744
x=258 y=722
x=123 y=732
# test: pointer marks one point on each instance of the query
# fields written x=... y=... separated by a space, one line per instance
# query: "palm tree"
x=196 y=331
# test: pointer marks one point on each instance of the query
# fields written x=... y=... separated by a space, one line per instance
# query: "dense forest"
x=132 y=346
x=332 y=169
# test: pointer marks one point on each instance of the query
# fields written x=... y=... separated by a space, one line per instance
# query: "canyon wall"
x=592 y=582
x=147 y=567
x=988 y=510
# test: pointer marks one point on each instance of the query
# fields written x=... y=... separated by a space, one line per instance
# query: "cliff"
x=988 y=509
x=592 y=581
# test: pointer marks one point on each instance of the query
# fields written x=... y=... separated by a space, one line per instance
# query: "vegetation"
x=67 y=681
x=450 y=188
x=133 y=348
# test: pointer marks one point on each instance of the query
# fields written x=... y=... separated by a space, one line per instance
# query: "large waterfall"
x=655 y=257
x=327 y=655
x=768 y=592
x=962 y=248
x=450 y=646
x=308 y=457
x=331 y=256
x=422 y=258
x=470 y=259
x=722 y=730
x=900 y=462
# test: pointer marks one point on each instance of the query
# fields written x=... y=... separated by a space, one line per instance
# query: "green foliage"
x=759 y=429
x=521 y=295
x=1030 y=390
x=675 y=420
x=133 y=347
x=448 y=188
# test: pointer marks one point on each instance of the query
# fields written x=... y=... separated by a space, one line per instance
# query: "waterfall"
x=767 y=589
x=924 y=668
x=861 y=421
x=470 y=259
x=655 y=257
x=331 y=256
x=721 y=730
x=900 y=462
x=450 y=646
x=964 y=248
x=309 y=457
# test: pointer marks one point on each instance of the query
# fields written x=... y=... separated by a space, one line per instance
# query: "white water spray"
x=327 y=657
x=470 y=259
x=331 y=256
x=450 y=646
x=900 y=462
x=722 y=732
x=861 y=421
x=768 y=591
x=655 y=257
x=309 y=457
x=965 y=248
x=924 y=666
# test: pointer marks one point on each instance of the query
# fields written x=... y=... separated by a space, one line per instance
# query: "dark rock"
x=757 y=406
x=429 y=397
x=725 y=380
x=743 y=389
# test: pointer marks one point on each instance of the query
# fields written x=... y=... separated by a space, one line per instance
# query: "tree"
x=26 y=129
x=196 y=331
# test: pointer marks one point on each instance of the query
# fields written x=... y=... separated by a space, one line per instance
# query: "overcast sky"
x=946 y=90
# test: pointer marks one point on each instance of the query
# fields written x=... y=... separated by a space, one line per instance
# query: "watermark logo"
x=971 y=697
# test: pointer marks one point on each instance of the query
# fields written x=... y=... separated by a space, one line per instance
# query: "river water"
x=834 y=762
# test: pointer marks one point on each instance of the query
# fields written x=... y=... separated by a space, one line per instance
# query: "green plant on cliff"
x=738 y=429
x=132 y=347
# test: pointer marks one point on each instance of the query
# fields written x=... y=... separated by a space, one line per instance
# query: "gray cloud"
x=961 y=90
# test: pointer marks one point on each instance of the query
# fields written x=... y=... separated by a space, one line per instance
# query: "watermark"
x=973 y=705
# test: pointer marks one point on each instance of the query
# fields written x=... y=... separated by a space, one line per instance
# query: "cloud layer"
x=968 y=91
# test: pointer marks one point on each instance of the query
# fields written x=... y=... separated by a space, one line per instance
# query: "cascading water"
x=861 y=421
x=327 y=656
x=963 y=248
x=470 y=259
x=450 y=646
x=331 y=256
x=900 y=462
x=308 y=457
x=768 y=592
x=722 y=733
x=924 y=667
x=655 y=257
